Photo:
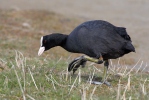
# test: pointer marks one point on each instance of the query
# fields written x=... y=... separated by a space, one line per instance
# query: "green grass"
x=25 y=75
x=48 y=79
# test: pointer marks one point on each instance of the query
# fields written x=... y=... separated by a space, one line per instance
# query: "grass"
x=25 y=76
x=32 y=79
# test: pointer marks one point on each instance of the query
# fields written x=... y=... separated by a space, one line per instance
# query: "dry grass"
x=23 y=75
x=27 y=78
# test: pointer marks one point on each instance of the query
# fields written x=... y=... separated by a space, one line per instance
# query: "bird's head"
x=46 y=42
x=49 y=41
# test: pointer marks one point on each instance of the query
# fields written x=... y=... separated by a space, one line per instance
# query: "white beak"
x=41 y=50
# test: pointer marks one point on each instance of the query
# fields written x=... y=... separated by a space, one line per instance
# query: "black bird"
x=98 y=40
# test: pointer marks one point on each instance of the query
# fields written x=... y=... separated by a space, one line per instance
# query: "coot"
x=99 y=40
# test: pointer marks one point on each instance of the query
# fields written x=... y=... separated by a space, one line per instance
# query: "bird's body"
x=97 y=39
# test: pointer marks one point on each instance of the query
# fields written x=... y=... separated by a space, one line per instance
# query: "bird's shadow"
x=88 y=78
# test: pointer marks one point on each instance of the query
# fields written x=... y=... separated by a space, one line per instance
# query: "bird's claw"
x=107 y=83
x=76 y=63
x=100 y=83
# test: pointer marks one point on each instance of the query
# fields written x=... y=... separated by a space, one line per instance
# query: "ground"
x=25 y=75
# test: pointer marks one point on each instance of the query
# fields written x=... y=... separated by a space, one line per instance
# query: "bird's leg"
x=104 y=79
x=98 y=61
x=75 y=64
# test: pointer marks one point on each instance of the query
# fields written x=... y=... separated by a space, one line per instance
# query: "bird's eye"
x=44 y=41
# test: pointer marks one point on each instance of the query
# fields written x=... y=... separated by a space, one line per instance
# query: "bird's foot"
x=81 y=61
x=107 y=83
x=100 y=83
x=76 y=63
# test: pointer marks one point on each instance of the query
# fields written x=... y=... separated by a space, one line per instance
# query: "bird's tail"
x=129 y=47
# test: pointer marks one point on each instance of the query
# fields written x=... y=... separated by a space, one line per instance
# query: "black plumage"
x=95 y=39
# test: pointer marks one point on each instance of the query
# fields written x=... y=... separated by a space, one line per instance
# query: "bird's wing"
x=122 y=32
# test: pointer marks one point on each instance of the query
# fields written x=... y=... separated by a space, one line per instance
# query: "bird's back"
x=98 y=37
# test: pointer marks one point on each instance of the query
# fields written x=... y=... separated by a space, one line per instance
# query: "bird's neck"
x=63 y=40
x=59 y=39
